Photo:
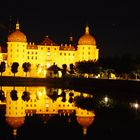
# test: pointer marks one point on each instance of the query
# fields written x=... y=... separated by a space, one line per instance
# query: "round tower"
x=16 y=46
x=86 y=48
x=85 y=118
x=15 y=112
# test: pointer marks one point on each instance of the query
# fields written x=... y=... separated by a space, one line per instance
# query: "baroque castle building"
x=48 y=52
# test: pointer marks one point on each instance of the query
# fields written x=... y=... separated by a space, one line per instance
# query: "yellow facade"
x=47 y=53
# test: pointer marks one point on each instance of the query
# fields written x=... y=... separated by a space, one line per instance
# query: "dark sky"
x=115 y=24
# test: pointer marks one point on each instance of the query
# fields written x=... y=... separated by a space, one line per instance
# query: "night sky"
x=115 y=24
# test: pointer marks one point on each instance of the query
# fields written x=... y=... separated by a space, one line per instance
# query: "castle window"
x=17 y=50
x=36 y=53
x=36 y=57
x=32 y=57
x=32 y=52
x=69 y=53
x=28 y=52
x=89 y=53
x=60 y=53
x=11 y=50
x=27 y=57
x=64 y=53
x=48 y=48
x=54 y=48
x=89 y=48
x=83 y=48
x=83 y=53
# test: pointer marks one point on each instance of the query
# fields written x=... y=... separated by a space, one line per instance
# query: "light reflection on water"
x=38 y=112
x=44 y=103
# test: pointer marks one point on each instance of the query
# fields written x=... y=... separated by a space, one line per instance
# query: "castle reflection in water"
x=19 y=103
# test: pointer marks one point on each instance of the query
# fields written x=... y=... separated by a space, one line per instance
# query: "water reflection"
x=22 y=102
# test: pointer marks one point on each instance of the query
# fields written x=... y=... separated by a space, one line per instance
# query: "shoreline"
x=84 y=84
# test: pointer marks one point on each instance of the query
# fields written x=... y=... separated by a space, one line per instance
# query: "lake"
x=41 y=112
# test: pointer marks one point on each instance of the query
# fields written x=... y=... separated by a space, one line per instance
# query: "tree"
x=13 y=95
x=2 y=96
x=26 y=96
x=71 y=69
x=26 y=67
x=64 y=70
x=14 y=67
x=2 y=67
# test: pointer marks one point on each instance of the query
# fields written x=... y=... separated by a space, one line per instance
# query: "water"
x=44 y=113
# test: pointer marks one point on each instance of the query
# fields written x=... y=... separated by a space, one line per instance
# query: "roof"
x=54 y=67
x=48 y=42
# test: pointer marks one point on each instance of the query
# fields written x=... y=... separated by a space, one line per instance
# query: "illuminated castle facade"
x=47 y=52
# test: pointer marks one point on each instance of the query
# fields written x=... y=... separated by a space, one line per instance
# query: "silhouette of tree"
x=14 y=67
x=71 y=97
x=26 y=67
x=2 y=67
x=2 y=96
x=71 y=69
x=13 y=95
x=54 y=96
x=26 y=96
x=64 y=69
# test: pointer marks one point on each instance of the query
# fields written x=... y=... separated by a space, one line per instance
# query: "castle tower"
x=16 y=44
x=15 y=112
x=85 y=118
x=86 y=48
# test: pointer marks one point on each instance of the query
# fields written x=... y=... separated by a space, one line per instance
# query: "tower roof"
x=87 y=38
x=17 y=35
x=48 y=42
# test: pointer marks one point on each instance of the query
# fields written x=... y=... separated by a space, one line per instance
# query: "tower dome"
x=17 y=36
x=15 y=122
x=87 y=38
x=85 y=118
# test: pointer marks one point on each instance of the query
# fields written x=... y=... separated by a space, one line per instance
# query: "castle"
x=47 y=52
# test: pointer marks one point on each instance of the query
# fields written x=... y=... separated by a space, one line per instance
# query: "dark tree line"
x=125 y=66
